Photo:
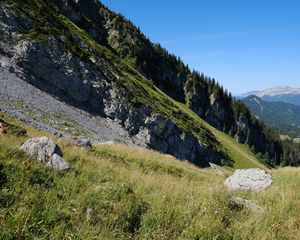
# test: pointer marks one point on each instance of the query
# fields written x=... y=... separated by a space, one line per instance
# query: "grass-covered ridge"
x=134 y=193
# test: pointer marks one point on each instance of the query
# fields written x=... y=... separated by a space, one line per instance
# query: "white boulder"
x=249 y=179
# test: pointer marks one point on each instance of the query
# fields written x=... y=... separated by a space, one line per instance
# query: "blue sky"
x=246 y=45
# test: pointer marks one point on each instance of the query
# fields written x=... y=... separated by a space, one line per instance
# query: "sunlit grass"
x=135 y=193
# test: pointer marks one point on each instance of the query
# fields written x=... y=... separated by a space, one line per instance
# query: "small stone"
x=58 y=134
x=82 y=142
x=57 y=162
x=218 y=169
x=21 y=209
x=105 y=143
x=45 y=151
x=238 y=202
x=3 y=130
x=89 y=214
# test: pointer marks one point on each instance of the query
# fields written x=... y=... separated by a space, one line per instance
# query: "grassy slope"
x=241 y=153
x=135 y=194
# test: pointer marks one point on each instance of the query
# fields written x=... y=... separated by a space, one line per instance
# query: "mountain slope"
x=279 y=94
x=284 y=117
x=66 y=51
x=124 y=192
x=94 y=79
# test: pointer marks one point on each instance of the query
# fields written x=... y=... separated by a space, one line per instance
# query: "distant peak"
x=274 y=91
x=281 y=90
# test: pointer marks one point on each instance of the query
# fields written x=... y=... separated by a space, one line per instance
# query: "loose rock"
x=105 y=143
x=238 y=202
x=218 y=169
x=3 y=131
x=82 y=142
x=249 y=179
x=45 y=151
x=89 y=214
x=57 y=162
x=41 y=148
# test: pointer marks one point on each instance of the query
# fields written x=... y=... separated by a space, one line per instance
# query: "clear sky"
x=244 y=44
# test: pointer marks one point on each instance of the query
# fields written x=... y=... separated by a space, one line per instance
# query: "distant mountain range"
x=284 y=117
x=277 y=94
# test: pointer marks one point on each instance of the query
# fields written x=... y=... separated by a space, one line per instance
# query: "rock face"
x=249 y=179
x=45 y=151
x=162 y=134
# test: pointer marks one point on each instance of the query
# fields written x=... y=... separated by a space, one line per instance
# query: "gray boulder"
x=41 y=148
x=249 y=179
x=45 y=151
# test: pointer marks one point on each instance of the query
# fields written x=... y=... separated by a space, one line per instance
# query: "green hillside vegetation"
x=134 y=193
x=241 y=153
x=284 y=117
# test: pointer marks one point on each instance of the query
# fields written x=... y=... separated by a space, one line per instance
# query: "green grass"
x=134 y=193
x=241 y=153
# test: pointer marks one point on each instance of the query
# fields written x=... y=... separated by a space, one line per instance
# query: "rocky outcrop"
x=161 y=133
x=45 y=151
x=249 y=179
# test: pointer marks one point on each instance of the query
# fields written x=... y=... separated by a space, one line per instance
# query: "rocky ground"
x=31 y=105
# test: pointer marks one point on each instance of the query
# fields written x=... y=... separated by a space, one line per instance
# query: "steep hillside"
x=41 y=47
x=74 y=66
x=200 y=93
x=284 y=117
x=125 y=192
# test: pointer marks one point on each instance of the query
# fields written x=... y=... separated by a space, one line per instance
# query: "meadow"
x=125 y=192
